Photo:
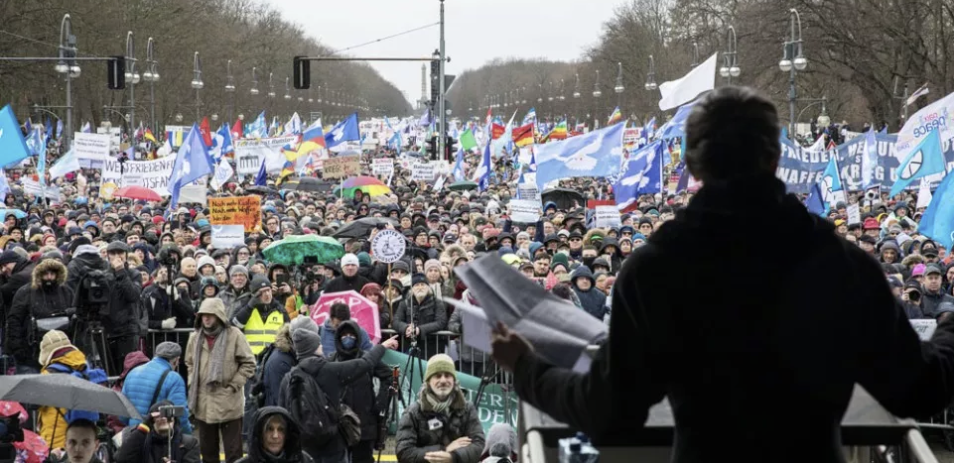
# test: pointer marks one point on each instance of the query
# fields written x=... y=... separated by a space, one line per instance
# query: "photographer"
x=165 y=307
x=306 y=294
x=149 y=442
x=37 y=308
x=911 y=300
x=125 y=287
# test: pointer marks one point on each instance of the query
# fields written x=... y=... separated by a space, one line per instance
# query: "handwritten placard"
x=423 y=171
x=383 y=167
x=524 y=210
x=237 y=210
x=340 y=167
x=607 y=216
x=925 y=328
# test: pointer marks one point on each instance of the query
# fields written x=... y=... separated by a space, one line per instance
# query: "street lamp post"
x=619 y=84
x=695 y=55
x=151 y=75
x=68 y=68
x=576 y=101
x=596 y=99
x=131 y=76
x=651 y=75
x=197 y=83
x=730 y=64
x=230 y=88
x=793 y=60
x=287 y=91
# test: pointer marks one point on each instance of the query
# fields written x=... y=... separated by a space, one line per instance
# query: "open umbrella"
x=65 y=391
x=563 y=197
x=16 y=213
x=137 y=192
x=292 y=249
x=369 y=185
x=361 y=228
x=307 y=184
x=363 y=311
x=261 y=190
x=462 y=185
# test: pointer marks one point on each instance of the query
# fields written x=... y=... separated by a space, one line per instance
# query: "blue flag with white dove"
x=595 y=154
x=938 y=221
x=482 y=174
x=641 y=174
x=221 y=143
x=927 y=158
x=346 y=130
x=13 y=148
x=257 y=129
x=192 y=163
x=831 y=188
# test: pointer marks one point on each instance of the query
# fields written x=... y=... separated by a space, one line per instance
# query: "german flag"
x=149 y=136
x=523 y=135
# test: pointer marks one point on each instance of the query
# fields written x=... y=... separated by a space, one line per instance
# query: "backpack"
x=310 y=406
x=93 y=375
x=257 y=386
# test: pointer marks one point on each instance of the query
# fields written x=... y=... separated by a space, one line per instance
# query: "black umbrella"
x=65 y=391
x=563 y=197
x=261 y=190
x=361 y=228
x=308 y=184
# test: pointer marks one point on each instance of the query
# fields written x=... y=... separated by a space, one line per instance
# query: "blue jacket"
x=141 y=384
x=328 y=339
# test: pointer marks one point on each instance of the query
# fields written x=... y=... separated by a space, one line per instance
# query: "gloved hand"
x=169 y=323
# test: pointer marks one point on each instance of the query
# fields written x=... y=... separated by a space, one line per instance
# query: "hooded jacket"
x=218 y=403
x=293 y=451
x=332 y=378
x=360 y=394
x=329 y=339
x=36 y=302
x=51 y=424
x=278 y=364
x=593 y=300
x=724 y=357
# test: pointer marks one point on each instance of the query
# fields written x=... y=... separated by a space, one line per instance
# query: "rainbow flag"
x=558 y=133
x=615 y=117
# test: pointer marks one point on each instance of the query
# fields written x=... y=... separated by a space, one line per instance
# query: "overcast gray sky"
x=476 y=30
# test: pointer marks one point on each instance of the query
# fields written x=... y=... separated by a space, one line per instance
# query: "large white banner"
x=149 y=174
x=250 y=154
x=91 y=147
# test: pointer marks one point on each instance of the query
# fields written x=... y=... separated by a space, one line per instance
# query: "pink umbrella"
x=363 y=311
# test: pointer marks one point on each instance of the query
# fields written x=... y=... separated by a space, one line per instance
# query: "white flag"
x=223 y=172
x=64 y=165
x=924 y=193
x=924 y=90
x=700 y=79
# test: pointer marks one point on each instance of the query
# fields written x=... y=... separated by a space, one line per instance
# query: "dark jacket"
x=344 y=283
x=415 y=438
x=293 y=446
x=429 y=314
x=930 y=301
x=277 y=365
x=593 y=300
x=729 y=359
x=159 y=306
x=148 y=447
x=34 y=302
x=329 y=339
x=125 y=288
x=332 y=378
x=21 y=276
x=360 y=394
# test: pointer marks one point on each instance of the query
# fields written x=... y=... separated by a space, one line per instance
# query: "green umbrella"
x=292 y=249
x=463 y=185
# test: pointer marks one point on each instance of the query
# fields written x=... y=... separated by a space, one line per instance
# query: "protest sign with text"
x=237 y=210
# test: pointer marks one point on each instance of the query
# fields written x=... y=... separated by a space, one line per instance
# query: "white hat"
x=349 y=259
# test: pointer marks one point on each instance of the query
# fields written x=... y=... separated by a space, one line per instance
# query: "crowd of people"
x=87 y=283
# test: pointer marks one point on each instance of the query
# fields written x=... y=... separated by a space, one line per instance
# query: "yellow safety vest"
x=261 y=333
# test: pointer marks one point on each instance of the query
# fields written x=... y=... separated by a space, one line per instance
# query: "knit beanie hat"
x=238 y=269
x=53 y=341
x=305 y=323
x=440 y=363
x=432 y=263
x=306 y=342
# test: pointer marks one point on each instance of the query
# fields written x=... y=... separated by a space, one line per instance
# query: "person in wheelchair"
x=37 y=309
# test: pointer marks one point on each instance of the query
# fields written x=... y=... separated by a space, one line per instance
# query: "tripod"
x=412 y=360
x=484 y=381
x=94 y=339
x=390 y=410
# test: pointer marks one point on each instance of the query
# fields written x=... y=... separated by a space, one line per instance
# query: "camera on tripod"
x=171 y=411
x=92 y=299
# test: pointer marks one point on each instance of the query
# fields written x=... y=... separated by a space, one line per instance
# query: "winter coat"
x=21 y=276
x=235 y=300
x=279 y=363
x=293 y=445
x=135 y=440
x=332 y=378
x=343 y=283
x=159 y=306
x=931 y=301
x=328 y=339
x=125 y=288
x=725 y=357
x=219 y=403
x=141 y=384
x=429 y=315
x=133 y=359
x=414 y=437
x=34 y=302
x=593 y=300
x=360 y=394
x=51 y=424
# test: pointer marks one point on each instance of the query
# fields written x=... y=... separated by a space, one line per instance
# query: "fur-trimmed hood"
x=48 y=265
x=283 y=340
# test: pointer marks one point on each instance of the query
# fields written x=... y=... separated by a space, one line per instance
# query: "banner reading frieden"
x=495 y=406
x=237 y=210
x=152 y=174
x=251 y=153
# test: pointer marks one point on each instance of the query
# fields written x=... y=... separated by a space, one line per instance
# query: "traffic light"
x=302 y=73
x=116 y=73
x=432 y=148
x=435 y=81
x=450 y=147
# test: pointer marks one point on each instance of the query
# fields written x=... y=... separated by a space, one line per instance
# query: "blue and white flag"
x=927 y=158
x=641 y=174
x=86 y=128
x=530 y=117
x=221 y=143
x=459 y=165
x=346 y=130
x=59 y=128
x=937 y=221
x=482 y=174
x=425 y=118
x=676 y=127
x=595 y=154
x=13 y=148
x=832 y=189
x=814 y=203
x=192 y=162
x=41 y=160
x=869 y=160
x=64 y=165
x=257 y=129
x=293 y=126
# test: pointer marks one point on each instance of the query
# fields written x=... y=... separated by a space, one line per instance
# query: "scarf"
x=216 y=367
x=431 y=403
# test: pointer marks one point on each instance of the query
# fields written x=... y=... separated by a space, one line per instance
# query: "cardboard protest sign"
x=237 y=210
